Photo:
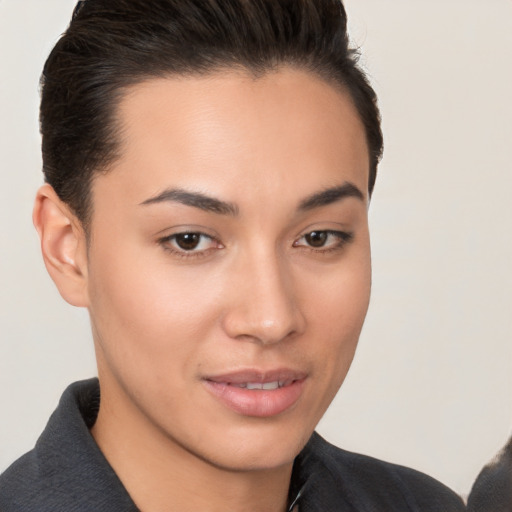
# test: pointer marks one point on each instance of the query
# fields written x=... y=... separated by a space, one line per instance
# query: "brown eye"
x=324 y=240
x=188 y=241
x=190 y=244
x=316 y=238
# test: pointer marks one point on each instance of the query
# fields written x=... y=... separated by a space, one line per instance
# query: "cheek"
x=148 y=314
x=339 y=298
x=337 y=310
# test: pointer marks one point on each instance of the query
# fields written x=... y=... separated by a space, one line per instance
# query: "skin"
x=254 y=294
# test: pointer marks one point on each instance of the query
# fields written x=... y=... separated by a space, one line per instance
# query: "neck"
x=161 y=475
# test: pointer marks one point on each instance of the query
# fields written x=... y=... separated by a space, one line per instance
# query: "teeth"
x=268 y=386
x=262 y=385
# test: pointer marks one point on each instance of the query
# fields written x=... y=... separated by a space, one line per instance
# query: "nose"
x=264 y=305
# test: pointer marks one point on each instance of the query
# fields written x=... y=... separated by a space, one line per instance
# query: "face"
x=229 y=262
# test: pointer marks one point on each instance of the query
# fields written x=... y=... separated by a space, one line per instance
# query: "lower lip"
x=256 y=402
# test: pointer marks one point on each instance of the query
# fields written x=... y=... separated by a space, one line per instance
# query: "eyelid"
x=343 y=237
x=166 y=242
x=185 y=228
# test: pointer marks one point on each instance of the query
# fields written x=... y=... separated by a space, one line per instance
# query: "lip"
x=260 y=403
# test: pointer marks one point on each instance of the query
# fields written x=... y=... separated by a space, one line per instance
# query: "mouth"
x=255 y=393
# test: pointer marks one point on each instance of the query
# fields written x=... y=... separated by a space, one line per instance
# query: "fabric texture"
x=66 y=472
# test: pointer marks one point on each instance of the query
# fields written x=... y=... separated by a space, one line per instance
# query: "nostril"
x=263 y=330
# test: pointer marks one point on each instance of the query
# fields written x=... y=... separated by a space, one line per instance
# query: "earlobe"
x=63 y=245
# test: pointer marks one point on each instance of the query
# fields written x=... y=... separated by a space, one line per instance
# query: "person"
x=208 y=167
x=492 y=490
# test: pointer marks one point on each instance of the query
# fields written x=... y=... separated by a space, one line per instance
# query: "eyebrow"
x=330 y=195
x=194 y=199
x=211 y=204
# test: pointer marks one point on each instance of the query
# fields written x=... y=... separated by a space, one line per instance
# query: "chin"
x=257 y=450
x=251 y=461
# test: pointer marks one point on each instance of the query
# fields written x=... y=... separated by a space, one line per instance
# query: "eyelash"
x=166 y=242
x=342 y=238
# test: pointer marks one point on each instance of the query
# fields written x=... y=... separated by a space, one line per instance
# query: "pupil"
x=316 y=238
x=188 y=241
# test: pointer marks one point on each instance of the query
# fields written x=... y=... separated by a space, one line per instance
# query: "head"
x=113 y=45
x=209 y=166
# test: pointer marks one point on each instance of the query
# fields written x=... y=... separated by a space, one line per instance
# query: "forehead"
x=232 y=129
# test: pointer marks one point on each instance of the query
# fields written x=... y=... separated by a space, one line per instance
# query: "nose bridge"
x=265 y=307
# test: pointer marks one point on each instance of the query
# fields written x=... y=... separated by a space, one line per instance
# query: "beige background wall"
x=431 y=386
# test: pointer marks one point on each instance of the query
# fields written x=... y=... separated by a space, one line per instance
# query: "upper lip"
x=260 y=376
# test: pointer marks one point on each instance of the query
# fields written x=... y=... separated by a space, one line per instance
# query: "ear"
x=63 y=245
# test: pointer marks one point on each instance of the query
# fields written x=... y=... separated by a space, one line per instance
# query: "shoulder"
x=20 y=485
x=42 y=478
x=66 y=470
x=372 y=484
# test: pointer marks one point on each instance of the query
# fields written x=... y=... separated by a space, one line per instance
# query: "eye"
x=189 y=241
x=193 y=243
x=324 y=240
